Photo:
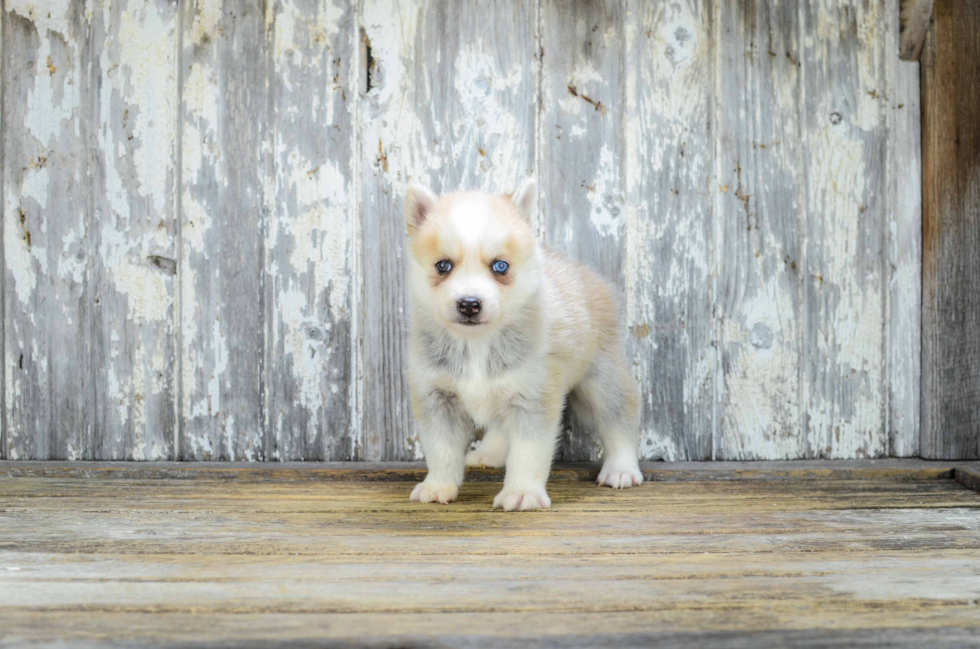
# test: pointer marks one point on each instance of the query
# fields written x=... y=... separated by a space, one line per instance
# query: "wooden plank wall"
x=951 y=232
x=203 y=245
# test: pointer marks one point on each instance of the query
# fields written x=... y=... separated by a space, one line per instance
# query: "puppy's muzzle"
x=469 y=308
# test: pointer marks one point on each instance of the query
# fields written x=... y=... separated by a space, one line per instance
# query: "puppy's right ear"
x=419 y=201
x=524 y=197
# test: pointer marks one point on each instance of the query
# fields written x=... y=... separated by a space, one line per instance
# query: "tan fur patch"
x=438 y=239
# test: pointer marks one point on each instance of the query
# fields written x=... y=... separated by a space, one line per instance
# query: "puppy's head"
x=474 y=263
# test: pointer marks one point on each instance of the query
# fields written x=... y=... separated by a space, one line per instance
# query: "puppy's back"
x=584 y=306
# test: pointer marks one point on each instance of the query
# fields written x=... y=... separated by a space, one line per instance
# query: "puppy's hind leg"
x=444 y=430
x=606 y=398
x=492 y=451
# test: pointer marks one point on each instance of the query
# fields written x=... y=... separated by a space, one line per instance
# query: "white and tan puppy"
x=503 y=331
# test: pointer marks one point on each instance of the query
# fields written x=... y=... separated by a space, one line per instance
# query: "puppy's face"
x=473 y=257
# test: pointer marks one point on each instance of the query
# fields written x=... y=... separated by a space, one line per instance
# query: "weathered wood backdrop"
x=203 y=244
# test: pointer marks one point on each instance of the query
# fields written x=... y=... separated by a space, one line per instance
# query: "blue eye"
x=500 y=266
x=443 y=266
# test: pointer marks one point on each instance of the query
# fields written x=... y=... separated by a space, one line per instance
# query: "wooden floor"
x=823 y=554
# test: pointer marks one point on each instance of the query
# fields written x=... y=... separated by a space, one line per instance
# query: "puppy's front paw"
x=522 y=500
x=481 y=457
x=435 y=492
x=620 y=473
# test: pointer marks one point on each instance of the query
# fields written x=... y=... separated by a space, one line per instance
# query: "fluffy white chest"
x=483 y=396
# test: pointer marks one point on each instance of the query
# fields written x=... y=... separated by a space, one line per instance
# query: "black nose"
x=469 y=306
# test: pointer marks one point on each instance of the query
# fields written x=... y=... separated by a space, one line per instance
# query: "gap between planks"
x=967 y=474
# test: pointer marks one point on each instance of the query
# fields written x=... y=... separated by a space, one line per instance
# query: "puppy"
x=503 y=331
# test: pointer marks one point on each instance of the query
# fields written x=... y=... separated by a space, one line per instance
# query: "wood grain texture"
x=268 y=231
x=221 y=562
x=451 y=103
x=47 y=346
x=951 y=233
x=581 y=178
x=969 y=477
x=3 y=265
x=294 y=630
x=309 y=237
x=670 y=217
x=904 y=335
x=133 y=230
x=760 y=224
x=225 y=169
x=89 y=230
x=845 y=138
x=903 y=469
x=916 y=19
x=203 y=242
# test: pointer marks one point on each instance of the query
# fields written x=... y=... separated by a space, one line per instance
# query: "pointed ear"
x=418 y=202
x=524 y=197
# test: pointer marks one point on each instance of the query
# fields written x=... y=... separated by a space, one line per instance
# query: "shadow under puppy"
x=503 y=331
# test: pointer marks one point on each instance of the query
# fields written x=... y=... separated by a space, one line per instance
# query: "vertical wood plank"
x=88 y=232
x=387 y=122
x=133 y=229
x=759 y=192
x=582 y=193
x=3 y=265
x=845 y=135
x=904 y=251
x=670 y=220
x=225 y=165
x=46 y=201
x=450 y=101
x=310 y=236
x=951 y=233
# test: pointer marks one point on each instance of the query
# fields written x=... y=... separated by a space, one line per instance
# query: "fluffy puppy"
x=503 y=331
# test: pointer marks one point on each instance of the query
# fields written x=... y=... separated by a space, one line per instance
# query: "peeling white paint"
x=664 y=187
x=18 y=257
x=485 y=95
x=846 y=208
x=54 y=98
x=148 y=81
x=148 y=291
x=669 y=212
x=606 y=213
x=207 y=22
x=761 y=390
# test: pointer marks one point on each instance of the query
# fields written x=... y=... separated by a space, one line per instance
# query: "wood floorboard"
x=145 y=560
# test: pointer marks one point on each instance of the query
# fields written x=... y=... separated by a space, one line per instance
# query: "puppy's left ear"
x=418 y=202
x=524 y=197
